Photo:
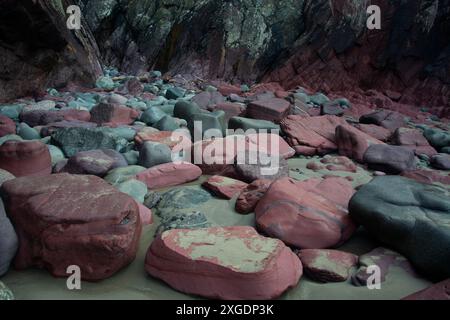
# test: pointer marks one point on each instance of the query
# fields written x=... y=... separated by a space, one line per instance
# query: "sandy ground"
x=133 y=282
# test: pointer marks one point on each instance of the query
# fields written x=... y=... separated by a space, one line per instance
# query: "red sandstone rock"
x=439 y=291
x=25 y=158
x=224 y=187
x=413 y=139
x=271 y=144
x=227 y=89
x=311 y=214
x=271 y=110
x=76 y=220
x=427 y=176
x=231 y=109
x=353 y=143
x=223 y=263
x=44 y=117
x=375 y=131
x=7 y=126
x=169 y=175
x=327 y=265
x=249 y=197
x=339 y=164
x=113 y=114
x=312 y=134
x=145 y=214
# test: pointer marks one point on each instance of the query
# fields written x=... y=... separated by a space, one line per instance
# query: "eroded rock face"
x=223 y=263
x=79 y=220
x=39 y=51
x=403 y=213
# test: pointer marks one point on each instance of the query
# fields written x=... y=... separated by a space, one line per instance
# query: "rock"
x=167 y=123
x=224 y=187
x=5 y=176
x=228 y=89
x=441 y=161
x=427 y=176
x=25 y=158
x=175 y=142
x=439 y=291
x=94 y=162
x=270 y=144
x=439 y=139
x=78 y=220
x=152 y=116
x=132 y=157
x=187 y=220
x=105 y=83
x=231 y=110
x=119 y=175
x=134 y=188
x=271 y=110
x=384 y=259
x=183 y=200
x=45 y=117
x=207 y=99
x=390 y=120
x=115 y=98
x=153 y=154
x=27 y=133
x=390 y=159
x=51 y=128
x=186 y=110
x=245 y=124
x=319 y=99
x=402 y=214
x=145 y=214
x=413 y=139
x=169 y=175
x=113 y=114
x=374 y=131
x=317 y=134
x=74 y=140
x=174 y=93
x=308 y=214
x=56 y=154
x=339 y=164
x=354 y=143
x=249 y=197
x=152 y=199
x=327 y=265
x=8 y=241
x=253 y=166
x=332 y=109
x=5 y=293
x=7 y=126
x=223 y=263
x=209 y=121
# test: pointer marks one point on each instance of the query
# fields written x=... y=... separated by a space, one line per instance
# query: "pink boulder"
x=413 y=139
x=169 y=175
x=7 y=126
x=25 y=158
x=311 y=214
x=271 y=110
x=249 y=197
x=224 y=187
x=232 y=263
x=75 y=220
x=113 y=114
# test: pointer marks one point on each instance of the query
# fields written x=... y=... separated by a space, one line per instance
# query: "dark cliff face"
x=37 y=50
x=321 y=44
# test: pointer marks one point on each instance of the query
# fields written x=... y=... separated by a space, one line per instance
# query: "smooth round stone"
x=56 y=154
x=319 y=99
x=134 y=188
x=27 y=133
x=12 y=111
x=153 y=154
x=120 y=175
x=132 y=157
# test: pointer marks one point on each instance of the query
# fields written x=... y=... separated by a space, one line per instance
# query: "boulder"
x=312 y=135
x=153 y=154
x=390 y=159
x=353 y=143
x=224 y=187
x=77 y=220
x=113 y=114
x=402 y=214
x=271 y=110
x=374 y=131
x=251 y=166
x=7 y=126
x=325 y=266
x=311 y=214
x=246 y=124
x=169 y=175
x=441 y=161
x=427 y=176
x=8 y=241
x=25 y=158
x=250 y=195
x=413 y=139
x=390 y=120
x=45 y=117
x=232 y=263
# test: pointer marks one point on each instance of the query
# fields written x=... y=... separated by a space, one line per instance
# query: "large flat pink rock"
x=169 y=175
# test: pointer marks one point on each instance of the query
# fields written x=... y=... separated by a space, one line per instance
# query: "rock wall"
x=38 y=51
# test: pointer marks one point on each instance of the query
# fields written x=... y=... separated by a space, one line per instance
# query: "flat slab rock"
x=327 y=265
x=224 y=187
x=77 y=220
x=169 y=175
x=223 y=263
x=311 y=214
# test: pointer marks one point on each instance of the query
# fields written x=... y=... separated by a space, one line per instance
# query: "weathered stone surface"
x=249 y=197
x=251 y=166
x=245 y=124
x=223 y=263
x=184 y=220
x=309 y=214
x=413 y=139
x=374 y=131
x=8 y=241
x=327 y=265
x=411 y=217
x=153 y=154
x=45 y=117
x=25 y=158
x=390 y=159
x=441 y=161
x=224 y=187
x=7 y=126
x=387 y=119
x=270 y=110
x=79 y=220
x=169 y=175
x=113 y=114
x=427 y=176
